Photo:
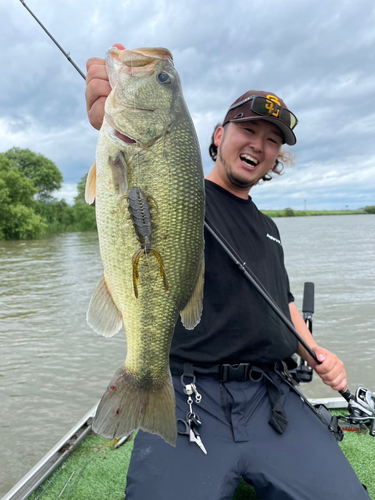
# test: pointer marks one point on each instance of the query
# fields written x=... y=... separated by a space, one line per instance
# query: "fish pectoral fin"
x=90 y=191
x=192 y=312
x=102 y=315
x=119 y=173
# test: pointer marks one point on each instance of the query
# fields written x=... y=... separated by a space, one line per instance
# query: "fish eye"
x=163 y=77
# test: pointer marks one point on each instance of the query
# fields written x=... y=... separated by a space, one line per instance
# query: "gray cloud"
x=319 y=57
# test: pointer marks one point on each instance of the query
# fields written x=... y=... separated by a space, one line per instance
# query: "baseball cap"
x=261 y=105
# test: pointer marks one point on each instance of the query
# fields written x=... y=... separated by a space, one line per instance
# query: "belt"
x=241 y=372
x=224 y=372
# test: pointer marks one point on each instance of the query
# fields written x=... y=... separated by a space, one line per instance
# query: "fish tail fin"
x=128 y=405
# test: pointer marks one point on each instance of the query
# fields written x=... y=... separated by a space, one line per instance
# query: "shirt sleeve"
x=290 y=295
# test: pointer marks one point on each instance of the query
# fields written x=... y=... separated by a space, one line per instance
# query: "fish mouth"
x=116 y=133
x=137 y=58
x=123 y=137
x=146 y=110
x=120 y=135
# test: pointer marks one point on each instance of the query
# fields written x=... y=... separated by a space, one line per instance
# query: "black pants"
x=303 y=463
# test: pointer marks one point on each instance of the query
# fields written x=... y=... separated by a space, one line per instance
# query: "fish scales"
x=163 y=163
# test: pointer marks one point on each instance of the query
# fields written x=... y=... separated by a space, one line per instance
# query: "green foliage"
x=24 y=176
x=42 y=171
x=22 y=223
x=81 y=187
x=370 y=209
x=57 y=214
x=18 y=219
x=308 y=213
x=60 y=217
x=288 y=212
x=84 y=217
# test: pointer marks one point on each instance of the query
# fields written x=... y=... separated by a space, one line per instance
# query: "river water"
x=54 y=368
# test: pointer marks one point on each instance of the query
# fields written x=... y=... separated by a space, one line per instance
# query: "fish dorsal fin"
x=90 y=191
x=191 y=314
x=103 y=316
x=119 y=173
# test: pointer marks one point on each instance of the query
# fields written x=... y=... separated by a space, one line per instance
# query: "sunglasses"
x=268 y=107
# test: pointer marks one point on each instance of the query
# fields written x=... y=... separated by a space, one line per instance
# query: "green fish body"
x=149 y=196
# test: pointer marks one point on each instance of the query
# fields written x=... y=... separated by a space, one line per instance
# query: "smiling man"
x=249 y=147
x=253 y=422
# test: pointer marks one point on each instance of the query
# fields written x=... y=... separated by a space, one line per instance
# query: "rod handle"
x=308 y=298
x=346 y=394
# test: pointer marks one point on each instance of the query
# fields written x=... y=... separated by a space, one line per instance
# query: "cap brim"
x=289 y=137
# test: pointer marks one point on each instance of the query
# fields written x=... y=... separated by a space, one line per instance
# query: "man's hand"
x=97 y=89
x=331 y=370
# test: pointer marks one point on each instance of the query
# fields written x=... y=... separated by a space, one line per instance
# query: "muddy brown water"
x=54 y=368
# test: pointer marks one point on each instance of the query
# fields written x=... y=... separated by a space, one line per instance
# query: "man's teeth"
x=249 y=160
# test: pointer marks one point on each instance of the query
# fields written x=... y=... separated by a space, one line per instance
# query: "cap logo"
x=271 y=106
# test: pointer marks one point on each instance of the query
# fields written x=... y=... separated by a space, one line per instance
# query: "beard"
x=235 y=180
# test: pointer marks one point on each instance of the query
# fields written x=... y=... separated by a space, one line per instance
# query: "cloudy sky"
x=317 y=56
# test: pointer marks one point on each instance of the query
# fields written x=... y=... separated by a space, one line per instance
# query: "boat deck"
x=86 y=466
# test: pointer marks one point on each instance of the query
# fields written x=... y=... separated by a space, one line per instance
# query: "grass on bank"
x=289 y=212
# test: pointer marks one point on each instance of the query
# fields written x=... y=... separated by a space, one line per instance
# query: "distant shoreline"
x=89 y=223
x=289 y=212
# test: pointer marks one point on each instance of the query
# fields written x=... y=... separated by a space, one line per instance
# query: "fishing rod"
x=362 y=404
x=304 y=370
x=250 y=276
x=66 y=54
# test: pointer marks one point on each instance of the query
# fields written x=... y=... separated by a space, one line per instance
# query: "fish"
x=148 y=186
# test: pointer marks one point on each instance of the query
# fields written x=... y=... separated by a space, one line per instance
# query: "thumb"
x=320 y=354
x=118 y=46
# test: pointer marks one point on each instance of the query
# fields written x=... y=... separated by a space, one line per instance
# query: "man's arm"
x=331 y=370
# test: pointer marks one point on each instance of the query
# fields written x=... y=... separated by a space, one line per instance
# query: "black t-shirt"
x=237 y=325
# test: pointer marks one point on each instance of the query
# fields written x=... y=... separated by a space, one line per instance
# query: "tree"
x=18 y=219
x=57 y=214
x=84 y=214
x=81 y=187
x=289 y=212
x=42 y=171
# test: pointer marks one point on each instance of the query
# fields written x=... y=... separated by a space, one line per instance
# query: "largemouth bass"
x=149 y=190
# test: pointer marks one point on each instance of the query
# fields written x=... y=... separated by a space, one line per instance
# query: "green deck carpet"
x=100 y=471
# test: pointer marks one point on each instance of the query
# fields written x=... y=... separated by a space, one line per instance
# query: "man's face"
x=247 y=151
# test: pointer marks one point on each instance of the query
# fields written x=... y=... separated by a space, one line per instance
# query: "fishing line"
x=74 y=485
x=136 y=142
x=137 y=153
x=51 y=481
x=66 y=484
